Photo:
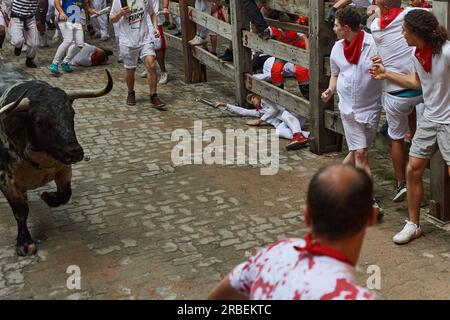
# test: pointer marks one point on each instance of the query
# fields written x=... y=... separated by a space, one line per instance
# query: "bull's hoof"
x=51 y=199
x=24 y=250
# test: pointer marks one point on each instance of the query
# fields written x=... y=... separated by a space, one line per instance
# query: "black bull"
x=38 y=144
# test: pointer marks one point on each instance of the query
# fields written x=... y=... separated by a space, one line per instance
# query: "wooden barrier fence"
x=324 y=122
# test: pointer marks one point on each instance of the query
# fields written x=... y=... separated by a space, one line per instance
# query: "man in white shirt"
x=359 y=94
x=135 y=42
x=398 y=102
x=431 y=74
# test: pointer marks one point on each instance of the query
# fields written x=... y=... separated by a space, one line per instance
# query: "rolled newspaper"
x=101 y=12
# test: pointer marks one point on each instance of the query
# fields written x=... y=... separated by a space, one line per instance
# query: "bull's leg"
x=25 y=245
x=63 y=191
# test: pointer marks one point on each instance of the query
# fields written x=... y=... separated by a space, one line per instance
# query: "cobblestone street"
x=141 y=228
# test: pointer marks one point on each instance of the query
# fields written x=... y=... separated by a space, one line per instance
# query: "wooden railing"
x=324 y=122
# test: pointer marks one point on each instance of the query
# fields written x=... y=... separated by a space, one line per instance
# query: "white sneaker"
x=164 y=78
x=144 y=74
x=193 y=39
x=410 y=232
x=198 y=41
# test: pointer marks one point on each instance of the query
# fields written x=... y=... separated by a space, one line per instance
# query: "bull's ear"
x=21 y=104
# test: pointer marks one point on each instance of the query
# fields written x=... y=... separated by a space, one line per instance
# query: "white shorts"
x=2 y=20
x=131 y=56
x=357 y=134
x=397 y=111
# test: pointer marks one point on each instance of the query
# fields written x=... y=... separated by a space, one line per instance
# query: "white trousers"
x=100 y=24
x=20 y=36
x=203 y=6
x=71 y=32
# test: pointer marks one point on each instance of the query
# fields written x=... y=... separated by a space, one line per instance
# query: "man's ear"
x=307 y=215
x=373 y=217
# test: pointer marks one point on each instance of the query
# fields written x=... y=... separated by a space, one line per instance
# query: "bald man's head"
x=340 y=201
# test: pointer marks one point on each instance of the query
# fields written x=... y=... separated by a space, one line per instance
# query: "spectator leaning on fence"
x=359 y=94
x=432 y=74
x=202 y=33
x=321 y=266
x=256 y=17
x=135 y=42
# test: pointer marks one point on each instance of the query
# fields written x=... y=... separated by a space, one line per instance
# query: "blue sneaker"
x=66 y=67
x=54 y=69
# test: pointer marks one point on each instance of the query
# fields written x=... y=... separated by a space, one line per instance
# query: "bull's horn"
x=79 y=94
x=18 y=105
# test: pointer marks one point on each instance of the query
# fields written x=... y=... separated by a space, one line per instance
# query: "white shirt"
x=359 y=94
x=362 y=3
x=83 y=58
x=133 y=29
x=282 y=272
x=393 y=48
x=436 y=86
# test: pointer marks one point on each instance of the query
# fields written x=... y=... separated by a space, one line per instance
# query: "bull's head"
x=45 y=119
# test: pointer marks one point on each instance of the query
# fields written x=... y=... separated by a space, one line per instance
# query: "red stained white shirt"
x=283 y=271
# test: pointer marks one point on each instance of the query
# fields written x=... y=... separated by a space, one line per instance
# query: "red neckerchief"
x=220 y=14
x=426 y=5
x=352 y=50
x=316 y=249
x=258 y=106
x=388 y=16
x=425 y=57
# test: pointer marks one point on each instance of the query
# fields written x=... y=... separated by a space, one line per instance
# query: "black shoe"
x=178 y=34
x=384 y=129
x=30 y=63
x=227 y=56
x=18 y=51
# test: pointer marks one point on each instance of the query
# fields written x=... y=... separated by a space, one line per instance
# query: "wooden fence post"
x=440 y=181
x=242 y=56
x=321 y=39
x=194 y=71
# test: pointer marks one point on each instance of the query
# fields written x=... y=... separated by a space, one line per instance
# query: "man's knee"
x=361 y=155
x=414 y=171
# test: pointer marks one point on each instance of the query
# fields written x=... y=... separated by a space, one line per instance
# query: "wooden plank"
x=174 y=42
x=242 y=55
x=275 y=48
x=222 y=28
x=287 y=25
x=211 y=61
x=284 y=98
x=333 y=121
x=327 y=67
x=299 y=7
x=194 y=72
x=321 y=41
x=440 y=181
x=440 y=188
x=174 y=8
